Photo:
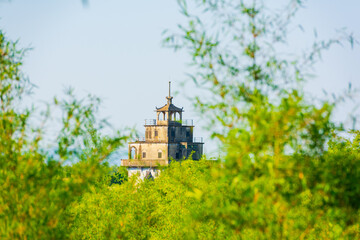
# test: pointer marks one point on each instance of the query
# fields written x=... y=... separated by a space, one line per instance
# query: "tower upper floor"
x=169 y=114
x=169 y=125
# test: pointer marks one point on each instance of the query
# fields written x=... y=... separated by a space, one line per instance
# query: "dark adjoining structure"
x=167 y=138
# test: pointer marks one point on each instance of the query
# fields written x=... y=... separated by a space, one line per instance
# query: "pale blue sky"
x=113 y=49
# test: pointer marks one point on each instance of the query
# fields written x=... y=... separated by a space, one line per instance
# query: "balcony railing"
x=198 y=140
x=140 y=139
x=143 y=163
x=150 y=122
x=187 y=122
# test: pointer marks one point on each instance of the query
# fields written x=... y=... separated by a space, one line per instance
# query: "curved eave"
x=169 y=108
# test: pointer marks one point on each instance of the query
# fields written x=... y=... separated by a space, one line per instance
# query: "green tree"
x=277 y=170
x=35 y=186
x=159 y=209
x=286 y=174
x=119 y=176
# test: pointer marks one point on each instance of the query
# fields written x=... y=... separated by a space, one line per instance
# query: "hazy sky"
x=112 y=48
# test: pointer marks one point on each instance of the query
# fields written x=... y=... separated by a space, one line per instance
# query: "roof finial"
x=169 y=98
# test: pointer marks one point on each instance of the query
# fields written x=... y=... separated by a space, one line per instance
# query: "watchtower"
x=167 y=138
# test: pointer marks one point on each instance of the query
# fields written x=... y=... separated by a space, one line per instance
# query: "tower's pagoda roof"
x=169 y=107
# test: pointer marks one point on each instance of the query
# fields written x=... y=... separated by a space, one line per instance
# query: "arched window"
x=132 y=153
x=162 y=116
x=144 y=155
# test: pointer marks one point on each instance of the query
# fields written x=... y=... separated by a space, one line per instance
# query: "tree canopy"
x=286 y=172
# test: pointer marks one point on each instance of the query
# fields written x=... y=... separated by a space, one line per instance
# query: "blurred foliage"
x=37 y=185
x=286 y=172
x=160 y=209
x=119 y=176
x=288 y=175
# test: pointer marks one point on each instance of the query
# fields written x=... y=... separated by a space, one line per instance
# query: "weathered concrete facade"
x=167 y=138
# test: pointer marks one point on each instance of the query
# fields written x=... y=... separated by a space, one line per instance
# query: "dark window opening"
x=159 y=154
x=144 y=154
x=156 y=133
x=177 y=155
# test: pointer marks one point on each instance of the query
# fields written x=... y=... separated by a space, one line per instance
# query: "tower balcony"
x=150 y=122
x=154 y=122
x=140 y=139
x=187 y=122
x=144 y=163
x=198 y=140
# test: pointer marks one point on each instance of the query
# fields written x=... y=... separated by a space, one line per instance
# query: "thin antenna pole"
x=169 y=88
